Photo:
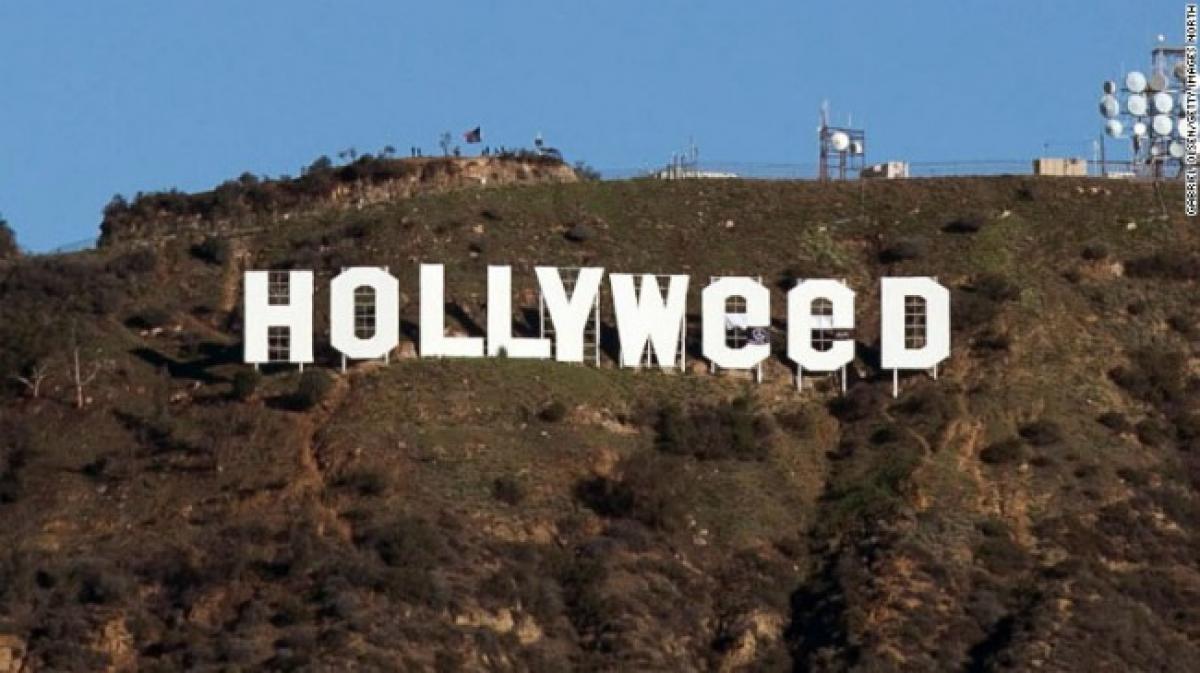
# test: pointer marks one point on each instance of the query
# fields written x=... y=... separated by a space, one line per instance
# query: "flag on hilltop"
x=475 y=135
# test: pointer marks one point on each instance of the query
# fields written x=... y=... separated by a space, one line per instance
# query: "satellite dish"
x=1175 y=149
x=1136 y=104
x=1139 y=129
x=1162 y=125
x=1109 y=107
x=1114 y=128
x=1135 y=82
x=1163 y=102
x=1158 y=81
x=840 y=141
x=1110 y=87
x=856 y=147
x=1180 y=71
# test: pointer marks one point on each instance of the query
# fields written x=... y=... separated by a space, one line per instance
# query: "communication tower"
x=840 y=149
x=1149 y=109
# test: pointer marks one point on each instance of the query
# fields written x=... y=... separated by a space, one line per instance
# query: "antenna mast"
x=843 y=148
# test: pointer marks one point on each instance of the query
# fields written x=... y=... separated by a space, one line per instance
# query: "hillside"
x=1035 y=508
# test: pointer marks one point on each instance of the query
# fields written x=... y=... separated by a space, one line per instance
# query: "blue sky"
x=100 y=98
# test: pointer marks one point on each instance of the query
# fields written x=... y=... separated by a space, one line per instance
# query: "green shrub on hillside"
x=648 y=489
x=997 y=288
x=214 y=250
x=245 y=383
x=730 y=431
x=149 y=317
x=133 y=264
x=862 y=401
x=365 y=481
x=874 y=493
x=885 y=434
x=412 y=549
x=100 y=584
x=992 y=341
x=1166 y=265
x=1041 y=432
x=798 y=422
x=406 y=541
x=1184 y=325
x=1001 y=556
x=1115 y=421
x=15 y=441
x=1153 y=432
x=903 y=250
x=1005 y=451
x=1187 y=430
x=1094 y=252
x=312 y=389
x=553 y=412
x=966 y=224
x=1154 y=375
x=508 y=490
x=928 y=405
x=580 y=232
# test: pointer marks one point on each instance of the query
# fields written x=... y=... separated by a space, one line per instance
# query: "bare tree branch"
x=79 y=379
x=38 y=374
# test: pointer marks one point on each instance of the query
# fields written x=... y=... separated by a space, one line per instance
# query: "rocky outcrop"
x=249 y=204
x=12 y=654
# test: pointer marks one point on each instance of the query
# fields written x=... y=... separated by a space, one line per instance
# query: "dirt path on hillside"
x=310 y=483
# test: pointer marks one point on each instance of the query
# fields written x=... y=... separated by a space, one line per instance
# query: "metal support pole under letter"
x=683 y=344
x=597 y=329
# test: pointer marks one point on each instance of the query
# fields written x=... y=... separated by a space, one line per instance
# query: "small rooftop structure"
x=686 y=166
x=889 y=170
x=680 y=173
x=1061 y=167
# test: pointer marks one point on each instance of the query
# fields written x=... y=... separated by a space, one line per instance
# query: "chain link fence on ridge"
x=811 y=171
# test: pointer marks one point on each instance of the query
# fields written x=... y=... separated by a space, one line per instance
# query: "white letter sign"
x=569 y=315
x=649 y=318
x=499 y=317
x=434 y=342
x=263 y=309
x=715 y=321
x=386 y=308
